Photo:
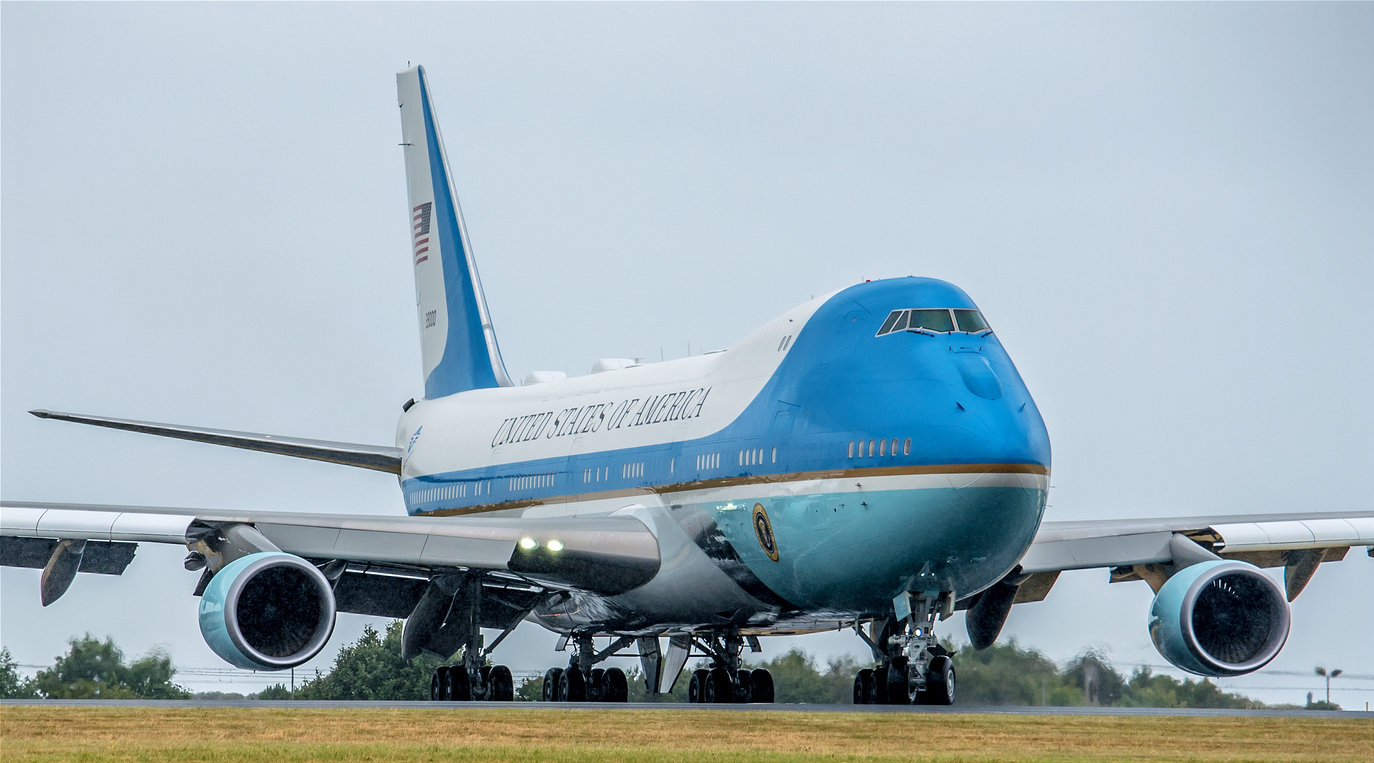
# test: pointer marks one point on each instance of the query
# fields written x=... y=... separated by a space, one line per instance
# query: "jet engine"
x=1219 y=618
x=267 y=611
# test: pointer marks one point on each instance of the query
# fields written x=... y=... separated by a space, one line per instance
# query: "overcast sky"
x=1166 y=212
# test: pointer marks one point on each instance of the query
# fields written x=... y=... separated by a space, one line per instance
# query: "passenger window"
x=775 y=454
x=971 y=321
x=894 y=446
x=851 y=448
x=882 y=448
x=906 y=447
x=931 y=320
x=870 y=448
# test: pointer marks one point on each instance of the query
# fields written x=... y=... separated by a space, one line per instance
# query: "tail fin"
x=457 y=341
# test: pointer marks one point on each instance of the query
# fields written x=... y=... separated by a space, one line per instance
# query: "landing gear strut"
x=445 y=620
x=912 y=666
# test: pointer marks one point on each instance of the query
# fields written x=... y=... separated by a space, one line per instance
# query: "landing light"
x=555 y=545
x=529 y=544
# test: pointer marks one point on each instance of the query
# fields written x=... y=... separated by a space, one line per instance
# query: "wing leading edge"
x=602 y=555
x=378 y=457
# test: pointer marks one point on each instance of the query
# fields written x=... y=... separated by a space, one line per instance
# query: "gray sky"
x=1166 y=211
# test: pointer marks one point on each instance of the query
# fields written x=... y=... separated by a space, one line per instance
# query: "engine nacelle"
x=1219 y=618
x=267 y=611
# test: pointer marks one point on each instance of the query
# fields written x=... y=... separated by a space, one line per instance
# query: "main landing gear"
x=912 y=666
x=581 y=682
x=451 y=683
x=726 y=681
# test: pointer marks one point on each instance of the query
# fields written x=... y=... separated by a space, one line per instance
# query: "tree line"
x=371 y=668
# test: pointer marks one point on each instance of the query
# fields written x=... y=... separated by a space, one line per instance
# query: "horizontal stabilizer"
x=378 y=457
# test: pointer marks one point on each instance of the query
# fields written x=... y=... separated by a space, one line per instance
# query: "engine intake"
x=267 y=611
x=1219 y=618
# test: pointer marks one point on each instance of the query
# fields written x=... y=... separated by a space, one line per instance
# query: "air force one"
x=870 y=460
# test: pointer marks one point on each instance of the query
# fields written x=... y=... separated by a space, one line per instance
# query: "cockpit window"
x=931 y=320
x=970 y=321
x=934 y=321
x=891 y=321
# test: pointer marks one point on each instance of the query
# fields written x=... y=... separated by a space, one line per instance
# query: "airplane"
x=869 y=460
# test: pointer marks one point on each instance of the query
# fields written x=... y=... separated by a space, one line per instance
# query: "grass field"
x=289 y=734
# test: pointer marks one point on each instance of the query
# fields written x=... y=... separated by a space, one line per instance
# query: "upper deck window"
x=934 y=321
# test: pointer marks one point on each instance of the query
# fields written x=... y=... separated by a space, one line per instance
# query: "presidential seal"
x=763 y=530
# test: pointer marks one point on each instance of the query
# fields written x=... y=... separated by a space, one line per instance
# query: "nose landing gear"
x=912 y=666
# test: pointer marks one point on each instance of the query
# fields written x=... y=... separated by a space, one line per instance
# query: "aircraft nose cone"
x=978 y=375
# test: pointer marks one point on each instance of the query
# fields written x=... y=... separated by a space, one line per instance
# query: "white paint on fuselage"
x=457 y=431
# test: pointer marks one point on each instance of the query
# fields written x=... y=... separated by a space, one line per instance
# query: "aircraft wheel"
x=596 y=685
x=459 y=690
x=551 y=677
x=898 y=687
x=615 y=686
x=572 y=686
x=745 y=692
x=501 y=684
x=761 y=686
x=863 y=686
x=436 y=685
x=939 y=682
x=719 y=688
x=696 y=686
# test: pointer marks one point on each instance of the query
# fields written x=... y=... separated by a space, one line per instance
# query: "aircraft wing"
x=1298 y=542
x=388 y=559
x=378 y=457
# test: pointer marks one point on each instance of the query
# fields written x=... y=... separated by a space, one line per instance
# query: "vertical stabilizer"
x=457 y=342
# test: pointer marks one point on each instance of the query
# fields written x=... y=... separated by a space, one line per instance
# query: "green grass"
x=291 y=734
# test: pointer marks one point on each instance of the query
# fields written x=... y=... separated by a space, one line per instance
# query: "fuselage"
x=810 y=473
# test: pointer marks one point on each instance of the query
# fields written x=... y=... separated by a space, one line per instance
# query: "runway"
x=1194 y=712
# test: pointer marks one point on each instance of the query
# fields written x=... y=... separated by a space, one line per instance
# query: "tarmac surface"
x=1196 y=712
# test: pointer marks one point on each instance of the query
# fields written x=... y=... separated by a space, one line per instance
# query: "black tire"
x=459 y=688
x=761 y=686
x=501 y=684
x=551 y=677
x=745 y=693
x=436 y=686
x=898 y=687
x=719 y=688
x=596 y=685
x=863 y=686
x=939 y=682
x=572 y=686
x=696 y=686
x=880 y=684
x=616 y=686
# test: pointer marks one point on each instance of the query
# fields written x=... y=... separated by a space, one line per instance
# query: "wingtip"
x=42 y=413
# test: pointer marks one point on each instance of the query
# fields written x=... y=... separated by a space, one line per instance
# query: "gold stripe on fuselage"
x=754 y=479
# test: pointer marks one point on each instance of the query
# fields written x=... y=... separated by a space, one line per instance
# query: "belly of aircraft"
x=828 y=548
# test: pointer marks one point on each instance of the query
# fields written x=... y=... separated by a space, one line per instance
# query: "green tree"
x=276 y=691
x=372 y=669
x=95 y=669
x=13 y=685
x=1006 y=674
x=1145 y=689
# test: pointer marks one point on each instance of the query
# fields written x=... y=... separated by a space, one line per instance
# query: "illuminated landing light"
x=529 y=544
x=555 y=545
